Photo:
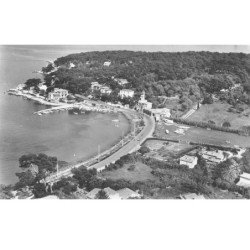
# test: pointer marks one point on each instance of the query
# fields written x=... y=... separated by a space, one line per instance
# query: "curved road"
x=130 y=147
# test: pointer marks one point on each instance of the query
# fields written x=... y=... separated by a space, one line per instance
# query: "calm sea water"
x=69 y=137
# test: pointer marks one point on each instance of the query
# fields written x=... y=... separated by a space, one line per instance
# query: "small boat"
x=166 y=131
x=75 y=113
x=39 y=114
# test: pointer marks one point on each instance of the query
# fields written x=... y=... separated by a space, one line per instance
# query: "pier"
x=54 y=109
x=81 y=106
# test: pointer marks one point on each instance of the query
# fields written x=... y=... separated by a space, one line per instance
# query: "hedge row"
x=209 y=125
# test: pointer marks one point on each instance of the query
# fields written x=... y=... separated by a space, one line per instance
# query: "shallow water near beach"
x=69 y=137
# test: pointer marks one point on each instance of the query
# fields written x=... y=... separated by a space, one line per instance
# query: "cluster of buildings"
x=124 y=93
x=211 y=157
x=95 y=86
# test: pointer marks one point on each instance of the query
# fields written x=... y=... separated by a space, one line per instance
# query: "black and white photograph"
x=124 y=124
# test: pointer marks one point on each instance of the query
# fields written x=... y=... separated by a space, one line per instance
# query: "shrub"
x=131 y=168
x=226 y=124
x=144 y=149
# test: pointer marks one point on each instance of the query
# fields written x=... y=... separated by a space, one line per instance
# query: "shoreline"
x=34 y=98
x=111 y=147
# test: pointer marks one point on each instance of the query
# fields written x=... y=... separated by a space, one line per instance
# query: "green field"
x=166 y=150
x=196 y=134
x=218 y=112
x=141 y=172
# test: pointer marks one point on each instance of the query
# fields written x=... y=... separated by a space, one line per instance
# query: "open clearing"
x=166 y=150
x=141 y=172
x=218 y=113
x=195 y=134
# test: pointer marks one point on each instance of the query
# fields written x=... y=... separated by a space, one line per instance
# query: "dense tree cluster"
x=43 y=162
x=33 y=82
x=191 y=75
x=35 y=168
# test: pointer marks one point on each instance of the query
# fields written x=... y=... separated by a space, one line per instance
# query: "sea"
x=69 y=137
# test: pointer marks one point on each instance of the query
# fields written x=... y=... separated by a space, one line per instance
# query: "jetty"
x=83 y=106
x=54 y=109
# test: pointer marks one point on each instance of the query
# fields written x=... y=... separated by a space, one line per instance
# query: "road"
x=130 y=147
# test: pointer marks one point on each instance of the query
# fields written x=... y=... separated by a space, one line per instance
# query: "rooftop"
x=217 y=154
x=127 y=90
x=188 y=158
x=92 y=194
x=192 y=196
x=244 y=180
x=112 y=194
x=126 y=193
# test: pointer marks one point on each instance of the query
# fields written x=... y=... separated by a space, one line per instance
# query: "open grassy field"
x=196 y=134
x=218 y=112
x=141 y=172
x=166 y=150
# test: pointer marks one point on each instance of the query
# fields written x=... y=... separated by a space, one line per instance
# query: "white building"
x=189 y=161
x=57 y=94
x=105 y=90
x=43 y=87
x=121 y=81
x=143 y=103
x=164 y=112
x=127 y=193
x=107 y=64
x=216 y=156
x=71 y=65
x=192 y=196
x=244 y=180
x=95 y=86
x=126 y=93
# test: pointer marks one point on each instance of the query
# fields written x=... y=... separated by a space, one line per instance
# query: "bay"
x=69 y=137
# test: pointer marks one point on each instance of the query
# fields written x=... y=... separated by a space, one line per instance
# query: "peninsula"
x=190 y=117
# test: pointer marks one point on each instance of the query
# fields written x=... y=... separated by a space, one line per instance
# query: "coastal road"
x=130 y=147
